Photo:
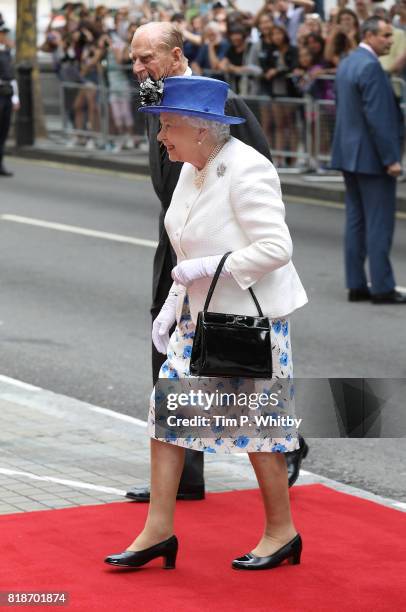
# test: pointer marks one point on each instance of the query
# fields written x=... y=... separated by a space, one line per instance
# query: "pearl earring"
x=199 y=142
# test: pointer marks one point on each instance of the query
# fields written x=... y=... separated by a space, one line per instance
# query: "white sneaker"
x=129 y=143
x=90 y=145
x=73 y=142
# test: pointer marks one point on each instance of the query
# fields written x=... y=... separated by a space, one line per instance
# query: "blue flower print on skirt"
x=277 y=326
x=187 y=351
x=176 y=367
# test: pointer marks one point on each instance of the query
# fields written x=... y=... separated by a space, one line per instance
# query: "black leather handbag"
x=229 y=344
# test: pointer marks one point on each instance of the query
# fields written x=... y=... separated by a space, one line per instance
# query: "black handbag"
x=230 y=344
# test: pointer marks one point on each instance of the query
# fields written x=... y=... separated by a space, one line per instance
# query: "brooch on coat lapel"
x=221 y=169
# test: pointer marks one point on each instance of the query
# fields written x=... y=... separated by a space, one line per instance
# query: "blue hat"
x=195 y=96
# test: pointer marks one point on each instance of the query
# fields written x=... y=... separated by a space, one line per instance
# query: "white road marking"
x=83 y=231
x=38 y=402
x=118 y=415
x=19 y=383
x=75 y=484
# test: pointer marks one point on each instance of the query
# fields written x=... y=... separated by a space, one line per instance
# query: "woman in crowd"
x=281 y=62
x=86 y=105
x=343 y=38
x=259 y=57
x=228 y=198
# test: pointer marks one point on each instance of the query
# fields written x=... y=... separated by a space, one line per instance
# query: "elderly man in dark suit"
x=367 y=147
x=157 y=52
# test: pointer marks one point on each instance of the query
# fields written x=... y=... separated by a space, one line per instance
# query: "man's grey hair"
x=163 y=34
x=219 y=131
x=372 y=24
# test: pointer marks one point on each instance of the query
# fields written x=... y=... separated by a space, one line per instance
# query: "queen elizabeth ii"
x=228 y=198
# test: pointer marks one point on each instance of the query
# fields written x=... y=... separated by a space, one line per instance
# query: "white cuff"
x=243 y=279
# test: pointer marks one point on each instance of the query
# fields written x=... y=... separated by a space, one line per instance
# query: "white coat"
x=239 y=208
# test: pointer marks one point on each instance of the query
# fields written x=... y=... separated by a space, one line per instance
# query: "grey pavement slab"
x=62 y=452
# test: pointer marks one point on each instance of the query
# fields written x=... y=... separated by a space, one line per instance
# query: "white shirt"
x=368 y=48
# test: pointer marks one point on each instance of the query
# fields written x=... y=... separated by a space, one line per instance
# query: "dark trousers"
x=5 y=121
x=370 y=222
x=192 y=475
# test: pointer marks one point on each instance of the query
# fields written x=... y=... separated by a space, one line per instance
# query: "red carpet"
x=353 y=557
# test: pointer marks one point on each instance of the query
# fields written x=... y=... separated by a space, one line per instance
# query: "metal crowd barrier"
x=324 y=117
x=287 y=127
x=299 y=129
x=101 y=116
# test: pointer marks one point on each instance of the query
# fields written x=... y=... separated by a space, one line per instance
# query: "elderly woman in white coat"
x=228 y=198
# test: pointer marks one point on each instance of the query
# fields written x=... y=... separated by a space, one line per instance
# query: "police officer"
x=9 y=99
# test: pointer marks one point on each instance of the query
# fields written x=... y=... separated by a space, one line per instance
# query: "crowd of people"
x=285 y=50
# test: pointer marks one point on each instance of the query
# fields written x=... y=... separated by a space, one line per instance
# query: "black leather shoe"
x=294 y=461
x=141 y=494
x=4 y=172
x=359 y=295
x=168 y=549
x=290 y=552
x=392 y=297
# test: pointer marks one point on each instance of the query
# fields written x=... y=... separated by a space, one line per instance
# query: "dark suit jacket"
x=165 y=174
x=369 y=124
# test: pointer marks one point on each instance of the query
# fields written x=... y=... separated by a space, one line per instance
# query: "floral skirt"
x=176 y=367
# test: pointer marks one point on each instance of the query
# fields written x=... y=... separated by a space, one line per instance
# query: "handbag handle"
x=214 y=283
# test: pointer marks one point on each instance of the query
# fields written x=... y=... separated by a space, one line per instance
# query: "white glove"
x=163 y=323
x=192 y=269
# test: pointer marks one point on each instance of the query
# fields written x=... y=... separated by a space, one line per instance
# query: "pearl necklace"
x=200 y=175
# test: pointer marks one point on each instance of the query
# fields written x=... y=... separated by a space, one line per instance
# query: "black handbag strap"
x=214 y=283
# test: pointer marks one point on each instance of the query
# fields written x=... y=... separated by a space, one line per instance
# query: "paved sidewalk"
x=327 y=187
x=57 y=452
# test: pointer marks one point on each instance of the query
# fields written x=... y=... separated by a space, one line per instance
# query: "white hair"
x=212 y=26
x=219 y=131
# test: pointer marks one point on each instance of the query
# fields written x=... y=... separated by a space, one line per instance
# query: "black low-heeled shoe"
x=290 y=551
x=168 y=549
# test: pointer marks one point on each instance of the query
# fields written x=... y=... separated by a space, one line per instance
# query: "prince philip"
x=157 y=53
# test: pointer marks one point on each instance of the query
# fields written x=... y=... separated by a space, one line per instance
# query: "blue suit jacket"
x=369 y=124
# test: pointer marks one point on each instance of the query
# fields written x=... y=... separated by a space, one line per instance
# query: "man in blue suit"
x=367 y=147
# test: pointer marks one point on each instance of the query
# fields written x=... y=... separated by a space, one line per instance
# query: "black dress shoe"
x=141 y=494
x=168 y=549
x=4 y=172
x=294 y=461
x=291 y=551
x=359 y=295
x=392 y=297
